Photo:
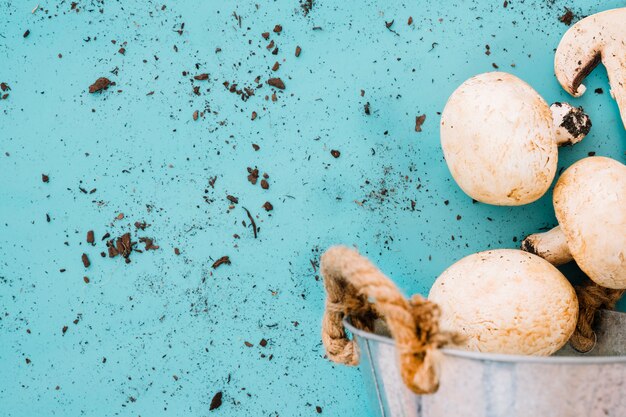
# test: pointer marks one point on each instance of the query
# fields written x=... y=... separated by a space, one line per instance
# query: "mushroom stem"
x=571 y=124
x=550 y=245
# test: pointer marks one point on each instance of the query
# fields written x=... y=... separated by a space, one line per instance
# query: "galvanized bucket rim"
x=499 y=357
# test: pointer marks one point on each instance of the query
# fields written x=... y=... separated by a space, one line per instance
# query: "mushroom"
x=500 y=138
x=599 y=37
x=506 y=301
x=590 y=205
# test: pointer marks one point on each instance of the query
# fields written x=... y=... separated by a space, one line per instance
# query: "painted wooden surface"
x=165 y=333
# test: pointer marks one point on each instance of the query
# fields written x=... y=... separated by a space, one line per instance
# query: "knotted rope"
x=355 y=287
x=591 y=298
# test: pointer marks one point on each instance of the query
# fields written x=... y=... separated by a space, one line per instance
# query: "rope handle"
x=355 y=287
x=591 y=298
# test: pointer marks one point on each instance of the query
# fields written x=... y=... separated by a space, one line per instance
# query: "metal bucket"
x=473 y=384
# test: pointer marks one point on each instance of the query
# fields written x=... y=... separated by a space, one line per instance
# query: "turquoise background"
x=165 y=315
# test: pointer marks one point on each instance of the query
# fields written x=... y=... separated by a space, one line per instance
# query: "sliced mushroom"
x=597 y=38
x=590 y=205
x=500 y=138
x=506 y=301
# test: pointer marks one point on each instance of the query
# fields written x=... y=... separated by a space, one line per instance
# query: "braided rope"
x=355 y=287
x=591 y=298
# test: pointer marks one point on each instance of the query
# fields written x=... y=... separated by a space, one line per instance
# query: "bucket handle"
x=355 y=287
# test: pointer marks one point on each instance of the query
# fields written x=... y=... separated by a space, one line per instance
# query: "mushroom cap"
x=599 y=37
x=507 y=301
x=590 y=204
x=498 y=138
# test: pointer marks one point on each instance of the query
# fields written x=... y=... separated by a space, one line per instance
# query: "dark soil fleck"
x=419 y=121
x=141 y=225
x=220 y=261
x=252 y=222
x=264 y=184
x=45 y=178
x=253 y=175
x=201 y=77
x=101 y=83
x=85 y=260
x=216 y=402
x=276 y=82
x=123 y=246
x=268 y=206
x=335 y=153
x=90 y=237
x=567 y=17
x=307 y=6
x=149 y=243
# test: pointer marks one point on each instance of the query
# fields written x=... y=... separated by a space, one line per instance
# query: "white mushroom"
x=590 y=205
x=500 y=138
x=507 y=301
x=599 y=37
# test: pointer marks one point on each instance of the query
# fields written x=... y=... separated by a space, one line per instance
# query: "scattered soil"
x=216 y=402
x=101 y=83
x=253 y=175
x=221 y=261
x=252 y=222
x=123 y=246
x=419 y=121
x=567 y=17
x=276 y=82
x=85 y=260
x=149 y=243
x=307 y=6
